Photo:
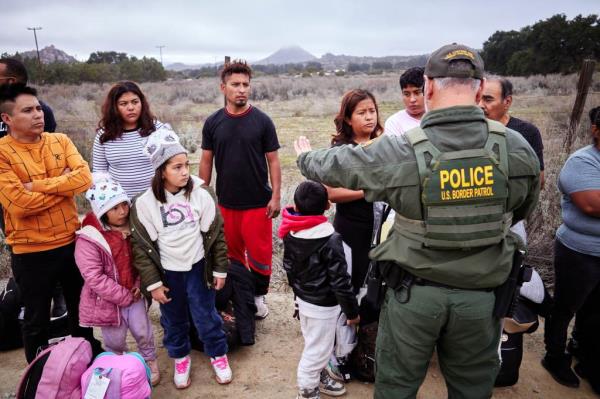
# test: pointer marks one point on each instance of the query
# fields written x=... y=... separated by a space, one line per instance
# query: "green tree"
x=554 y=45
x=107 y=57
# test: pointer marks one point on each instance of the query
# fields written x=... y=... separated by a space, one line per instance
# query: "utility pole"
x=227 y=61
x=160 y=49
x=36 y=42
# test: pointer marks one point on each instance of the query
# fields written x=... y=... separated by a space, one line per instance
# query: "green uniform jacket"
x=146 y=257
x=386 y=169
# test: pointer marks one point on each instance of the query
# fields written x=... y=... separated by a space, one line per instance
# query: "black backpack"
x=11 y=336
x=375 y=285
x=362 y=359
x=10 y=327
x=229 y=328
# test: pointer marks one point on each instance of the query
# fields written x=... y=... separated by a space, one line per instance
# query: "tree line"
x=554 y=45
x=307 y=68
x=101 y=66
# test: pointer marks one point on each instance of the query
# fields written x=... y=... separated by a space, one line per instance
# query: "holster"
x=376 y=286
x=506 y=294
x=397 y=279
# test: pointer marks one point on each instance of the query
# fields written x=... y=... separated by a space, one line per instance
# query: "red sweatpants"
x=248 y=234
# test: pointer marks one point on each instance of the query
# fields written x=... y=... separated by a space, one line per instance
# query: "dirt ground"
x=267 y=369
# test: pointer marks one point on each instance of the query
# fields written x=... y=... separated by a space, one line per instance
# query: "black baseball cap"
x=437 y=64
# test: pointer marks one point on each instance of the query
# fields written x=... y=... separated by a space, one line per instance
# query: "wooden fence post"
x=585 y=80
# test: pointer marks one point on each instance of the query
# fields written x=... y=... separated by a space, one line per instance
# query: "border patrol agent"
x=457 y=184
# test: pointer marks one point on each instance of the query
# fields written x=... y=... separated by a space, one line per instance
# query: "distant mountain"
x=50 y=54
x=287 y=55
x=180 y=66
x=329 y=61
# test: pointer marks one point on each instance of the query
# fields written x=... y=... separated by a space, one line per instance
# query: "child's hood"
x=308 y=227
x=92 y=229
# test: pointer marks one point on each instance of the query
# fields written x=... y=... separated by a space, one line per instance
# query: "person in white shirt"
x=411 y=85
x=179 y=249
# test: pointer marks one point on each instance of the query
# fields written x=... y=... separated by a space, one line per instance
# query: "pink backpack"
x=128 y=374
x=56 y=371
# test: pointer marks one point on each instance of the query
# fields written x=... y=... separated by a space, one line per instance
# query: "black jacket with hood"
x=318 y=272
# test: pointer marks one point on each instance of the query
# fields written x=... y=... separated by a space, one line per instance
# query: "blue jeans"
x=189 y=289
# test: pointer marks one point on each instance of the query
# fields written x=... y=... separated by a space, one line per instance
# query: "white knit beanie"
x=105 y=193
x=162 y=144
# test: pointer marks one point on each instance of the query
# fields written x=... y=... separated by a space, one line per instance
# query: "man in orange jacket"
x=40 y=174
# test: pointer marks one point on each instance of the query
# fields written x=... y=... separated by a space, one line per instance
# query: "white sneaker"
x=329 y=386
x=261 y=307
x=222 y=370
x=181 y=376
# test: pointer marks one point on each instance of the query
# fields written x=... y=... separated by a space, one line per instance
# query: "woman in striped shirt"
x=122 y=131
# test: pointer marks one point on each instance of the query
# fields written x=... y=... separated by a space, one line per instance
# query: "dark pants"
x=189 y=290
x=358 y=237
x=458 y=323
x=37 y=274
x=261 y=282
x=576 y=291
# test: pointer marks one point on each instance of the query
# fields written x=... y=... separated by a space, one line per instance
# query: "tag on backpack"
x=97 y=387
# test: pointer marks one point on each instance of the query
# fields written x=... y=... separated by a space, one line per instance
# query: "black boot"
x=559 y=367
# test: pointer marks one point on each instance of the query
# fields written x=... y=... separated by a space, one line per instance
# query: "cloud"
x=202 y=32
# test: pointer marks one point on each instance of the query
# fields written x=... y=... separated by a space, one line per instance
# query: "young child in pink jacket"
x=111 y=298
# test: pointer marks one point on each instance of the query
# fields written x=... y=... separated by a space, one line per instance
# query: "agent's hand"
x=66 y=171
x=28 y=186
x=353 y=321
x=273 y=208
x=301 y=145
x=160 y=295
x=137 y=294
x=218 y=283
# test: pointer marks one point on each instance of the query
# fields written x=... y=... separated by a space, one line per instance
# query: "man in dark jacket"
x=13 y=71
x=316 y=267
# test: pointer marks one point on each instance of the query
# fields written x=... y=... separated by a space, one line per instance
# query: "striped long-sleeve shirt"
x=124 y=160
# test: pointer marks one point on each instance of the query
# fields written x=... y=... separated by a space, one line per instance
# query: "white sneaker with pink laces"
x=181 y=376
x=222 y=370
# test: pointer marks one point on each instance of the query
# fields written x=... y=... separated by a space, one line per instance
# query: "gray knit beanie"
x=162 y=145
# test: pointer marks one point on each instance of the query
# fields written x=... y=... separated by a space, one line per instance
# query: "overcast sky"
x=205 y=31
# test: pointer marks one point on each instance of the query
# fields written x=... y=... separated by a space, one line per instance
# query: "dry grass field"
x=306 y=106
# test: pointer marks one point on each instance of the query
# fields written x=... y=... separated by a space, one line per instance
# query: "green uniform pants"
x=459 y=323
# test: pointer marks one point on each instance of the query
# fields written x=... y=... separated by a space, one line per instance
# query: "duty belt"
x=409 y=279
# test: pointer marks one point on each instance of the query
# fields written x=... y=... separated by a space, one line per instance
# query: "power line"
x=36 y=42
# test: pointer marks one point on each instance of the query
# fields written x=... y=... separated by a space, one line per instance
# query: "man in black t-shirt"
x=243 y=143
x=495 y=102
